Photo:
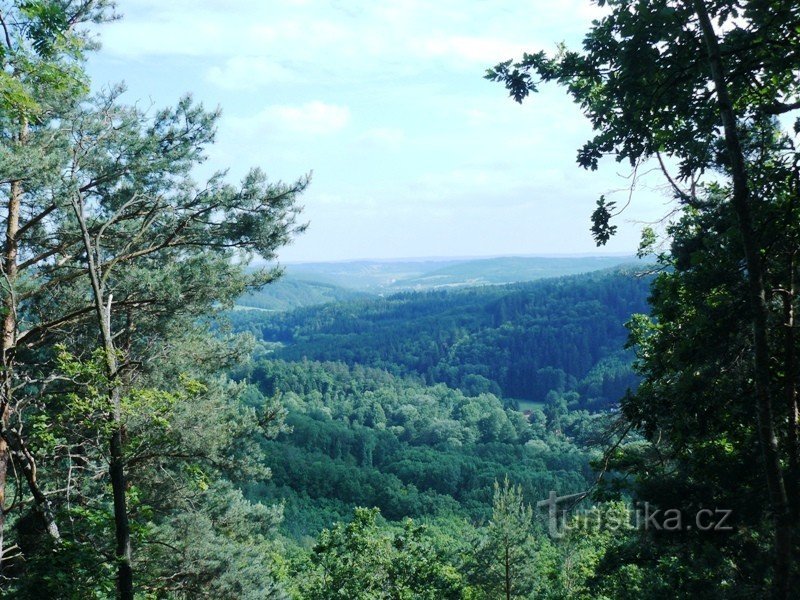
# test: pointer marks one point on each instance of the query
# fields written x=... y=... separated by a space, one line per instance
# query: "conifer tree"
x=504 y=560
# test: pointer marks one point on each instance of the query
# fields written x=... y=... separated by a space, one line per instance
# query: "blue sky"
x=413 y=154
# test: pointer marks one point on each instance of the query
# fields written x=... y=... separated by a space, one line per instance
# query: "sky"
x=413 y=153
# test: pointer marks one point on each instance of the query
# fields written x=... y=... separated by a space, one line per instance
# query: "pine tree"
x=503 y=564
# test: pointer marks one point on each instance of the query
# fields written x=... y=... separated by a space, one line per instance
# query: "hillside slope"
x=520 y=341
x=290 y=292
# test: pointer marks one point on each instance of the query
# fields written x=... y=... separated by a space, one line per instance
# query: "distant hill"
x=392 y=275
x=290 y=292
x=312 y=284
x=367 y=275
x=509 y=269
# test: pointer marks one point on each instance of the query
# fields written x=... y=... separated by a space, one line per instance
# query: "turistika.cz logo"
x=638 y=516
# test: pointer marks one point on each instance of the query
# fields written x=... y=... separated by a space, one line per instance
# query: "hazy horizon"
x=631 y=255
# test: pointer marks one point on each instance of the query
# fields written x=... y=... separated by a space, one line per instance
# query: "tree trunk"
x=3 y=473
x=508 y=575
x=117 y=463
x=122 y=527
x=11 y=444
x=790 y=393
x=27 y=464
x=741 y=203
x=7 y=341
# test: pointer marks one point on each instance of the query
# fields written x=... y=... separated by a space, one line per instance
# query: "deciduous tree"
x=699 y=84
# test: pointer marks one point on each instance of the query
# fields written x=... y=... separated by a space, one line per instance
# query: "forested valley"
x=509 y=428
x=386 y=433
x=518 y=341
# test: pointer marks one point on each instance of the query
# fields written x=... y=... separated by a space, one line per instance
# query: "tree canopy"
x=112 y=257
x=701 y=85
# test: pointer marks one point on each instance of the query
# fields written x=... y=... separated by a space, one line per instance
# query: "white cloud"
x=482 y=50
x=162 y=35
x=368 y=37
x=311 y=118
x=383 y=136
x=248 y=73
x=384 y=100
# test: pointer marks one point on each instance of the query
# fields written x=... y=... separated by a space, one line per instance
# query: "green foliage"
x=15 y=97
x=222 y=545
x=602 y=230
x=42 y=50
x=697 y=411
x=647 y=242
x=363 y=561
x=47 y=23
x=673 y=81
x=182 y=446
x=167 y=253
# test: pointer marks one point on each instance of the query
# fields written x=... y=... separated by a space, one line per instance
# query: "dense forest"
x=519 y=341
x=362 y=437
x=598 y=436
